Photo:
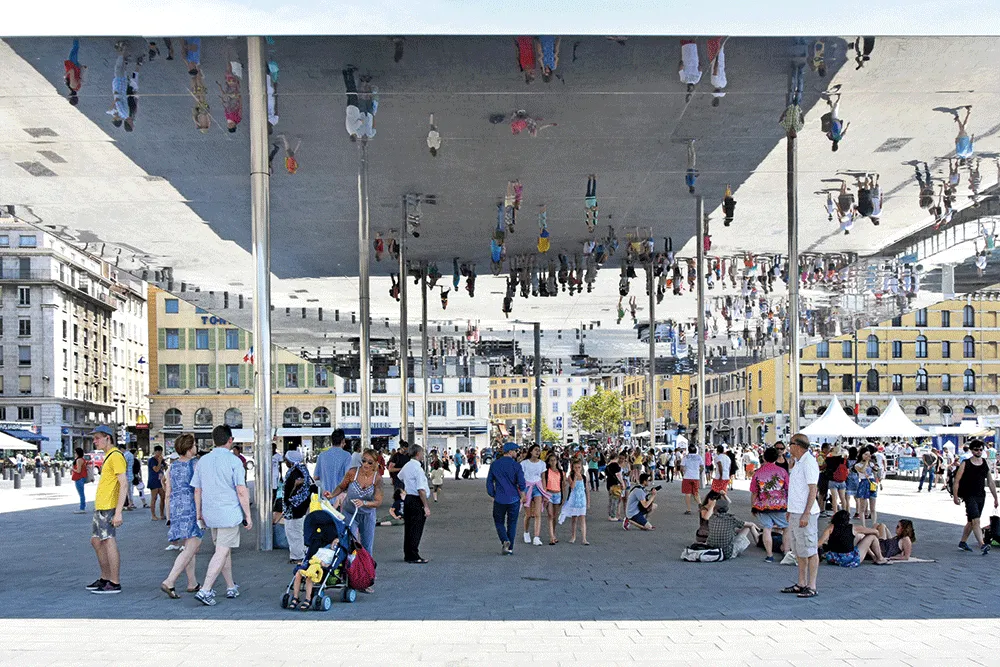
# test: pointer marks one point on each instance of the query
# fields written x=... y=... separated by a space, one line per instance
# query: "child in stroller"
x=328 y=543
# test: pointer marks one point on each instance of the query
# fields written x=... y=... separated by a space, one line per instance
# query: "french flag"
x=248 y=357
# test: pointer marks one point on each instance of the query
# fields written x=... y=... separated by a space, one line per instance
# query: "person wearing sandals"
x=803 y=514
x=553 y=480
x=868 y=478
x=363 y=487
x=183 y=516
x=846 y=545
x=577 y=503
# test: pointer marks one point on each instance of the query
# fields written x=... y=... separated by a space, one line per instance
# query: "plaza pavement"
x=625 y=599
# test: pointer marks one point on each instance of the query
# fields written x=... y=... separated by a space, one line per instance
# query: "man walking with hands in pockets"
x=803 y=514
x=223 y=503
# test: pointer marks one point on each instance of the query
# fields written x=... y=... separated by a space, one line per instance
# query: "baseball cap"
x=509 y=447
x=721 y=505
x=103 y=428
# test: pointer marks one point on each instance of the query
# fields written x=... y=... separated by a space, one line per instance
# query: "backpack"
x=840 y=474
x=136 y=472
x=699 y=553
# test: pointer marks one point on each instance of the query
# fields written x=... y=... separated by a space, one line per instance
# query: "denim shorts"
x=839 y=486
x=556 y=498
x=772 y=520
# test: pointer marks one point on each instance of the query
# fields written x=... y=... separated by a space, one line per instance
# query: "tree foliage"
x=601 y=412
x=548 y=435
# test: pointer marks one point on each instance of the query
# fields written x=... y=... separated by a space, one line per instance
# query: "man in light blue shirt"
x=223 y=503
x=119 y=87
x=331 y=465
x=964 y=144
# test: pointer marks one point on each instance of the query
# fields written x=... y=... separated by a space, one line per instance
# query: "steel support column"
x=793 y=284
x=364 y=301
x=423 y=350
x=538 y=382
x=404 y=336
x=699 y=212
x=261 y=242
x=651 y=395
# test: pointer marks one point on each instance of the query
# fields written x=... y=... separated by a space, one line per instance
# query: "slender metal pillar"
x=793 y=284
x=404 y=336
x=261 y=242
x=364 y=300
x=651 y=396
x=699 y=212
x=423 y=350
x=538 y=383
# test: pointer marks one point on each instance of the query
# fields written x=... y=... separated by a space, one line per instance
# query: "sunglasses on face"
x=369 y=462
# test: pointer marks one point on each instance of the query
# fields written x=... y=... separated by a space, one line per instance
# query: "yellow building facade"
x=511 y=403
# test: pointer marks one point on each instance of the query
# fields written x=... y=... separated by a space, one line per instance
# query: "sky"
x=472 y=17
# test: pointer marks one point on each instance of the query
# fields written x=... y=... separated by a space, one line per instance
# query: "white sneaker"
x=172 y=547
x=233 y=592
x=537 y=541
x=527 y=538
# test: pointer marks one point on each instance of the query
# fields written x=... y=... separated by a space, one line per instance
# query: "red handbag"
x=361 y=570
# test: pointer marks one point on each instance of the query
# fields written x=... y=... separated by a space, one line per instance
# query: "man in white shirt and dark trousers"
x=415 y=507
x=803 y=514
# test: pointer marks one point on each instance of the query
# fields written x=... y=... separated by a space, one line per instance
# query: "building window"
x=969 y=347
x=946 y=349
x=921 y=380
x=351 y=386
x=569 y=392
x=872 y=349
x=291 y=376
x=234 y=418
x=847 y=382
x=969 y=380
x=24 y=384
x=466 y=408
x=465 y=386
x=24 y=327
x=201 y=339
x=921 y=410
x=760 y=379
x=897 y=321
x=25 y=413
x=201 y=376
x=232 y=376
x=322 y=377
x=846 y=349
x=379 y=386
x=921 y=317
x=173 y=339
x=921 y=347
x=823 y=350
x=437 y=409
x=171 y=306
x=172 y=417
x=27 y=241
x=411 y=384
x=945 y=318
x=760 y=406
x=970 y=410
x=24 y=296
x=524 y=393
x=321 y=416
x=23 y=355
x=897 y=349
x=410 y=409
x=968 y=316
x=945 y=382
x=555 y=407
x=380 y=408
x=232 y=339
x=291 y=417
x=173 y=376
x=203 y=417
x=872 y=381
x=554 y=393
x=897 y=382
x=350 y=409
x=4 y=240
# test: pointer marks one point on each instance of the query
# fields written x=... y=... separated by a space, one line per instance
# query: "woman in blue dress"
x=578 y=502
x=182 y=516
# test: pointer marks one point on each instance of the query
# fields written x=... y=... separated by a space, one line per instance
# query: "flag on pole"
x=248 y=357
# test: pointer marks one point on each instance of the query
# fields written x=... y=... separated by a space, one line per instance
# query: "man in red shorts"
x=691 y=469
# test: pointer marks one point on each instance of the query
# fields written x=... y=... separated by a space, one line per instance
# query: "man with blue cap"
x=505 y=484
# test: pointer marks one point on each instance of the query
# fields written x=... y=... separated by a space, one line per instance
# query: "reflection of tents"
x=12 y=443
x=644 y=434
x=833 y=424
x=894 y=423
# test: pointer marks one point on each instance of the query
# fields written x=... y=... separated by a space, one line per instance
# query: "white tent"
x=834 y=423
x=12 y=443
x=894 y=423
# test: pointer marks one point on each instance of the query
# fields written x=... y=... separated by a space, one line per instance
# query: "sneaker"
x=505 y=548
x=769 y=559
x=537 y=541
x=107 y=588
x=206 y=597
x=986 y=549
x=97 y=584
x=173 y=547
x=233 y=592
x=79 y=511
x=527 y=538
x=963 y=546
x=625 y=524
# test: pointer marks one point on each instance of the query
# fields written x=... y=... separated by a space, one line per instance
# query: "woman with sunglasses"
x=364 y=494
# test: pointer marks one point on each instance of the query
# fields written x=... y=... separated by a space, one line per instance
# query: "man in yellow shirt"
x=112 y=492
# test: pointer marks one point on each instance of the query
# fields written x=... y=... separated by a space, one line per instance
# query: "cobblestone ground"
x=625 y=598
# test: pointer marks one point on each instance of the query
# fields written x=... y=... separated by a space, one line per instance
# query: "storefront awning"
x=377 y=432
x=242 y=435
x=22 y=434
x=9 y=442
x=310 y=432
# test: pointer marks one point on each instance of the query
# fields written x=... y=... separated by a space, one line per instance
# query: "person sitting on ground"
x=728 y=532
x=705 y=512
x=847 y=545
x=898 y=546
x=640 y=504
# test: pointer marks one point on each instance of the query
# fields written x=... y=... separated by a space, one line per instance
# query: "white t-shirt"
x=726 y=463
x=691 y=465
x=276 y=460
x=689 y=72
x=355 y=121
x=719 y=78
x=532 y=471
x=803 y=473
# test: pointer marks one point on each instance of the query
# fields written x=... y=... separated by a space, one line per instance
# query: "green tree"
x=548 y=435
x=601 y=412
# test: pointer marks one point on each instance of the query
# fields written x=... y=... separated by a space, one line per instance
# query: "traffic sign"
x=627 y=426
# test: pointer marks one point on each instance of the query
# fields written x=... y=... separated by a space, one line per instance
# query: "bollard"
x=48 y=471
x=38 y=479
x=58 y=477
x=6 y=474
x=17 y=481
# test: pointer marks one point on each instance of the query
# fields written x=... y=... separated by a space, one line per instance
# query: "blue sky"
x=601 y=17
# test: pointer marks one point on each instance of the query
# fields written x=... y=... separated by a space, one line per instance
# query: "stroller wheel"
x=350 y=595
x=284 y=601
x=318 y=602
x=327 y=602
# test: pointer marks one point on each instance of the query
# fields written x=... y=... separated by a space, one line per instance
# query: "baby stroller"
x=327 y=567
